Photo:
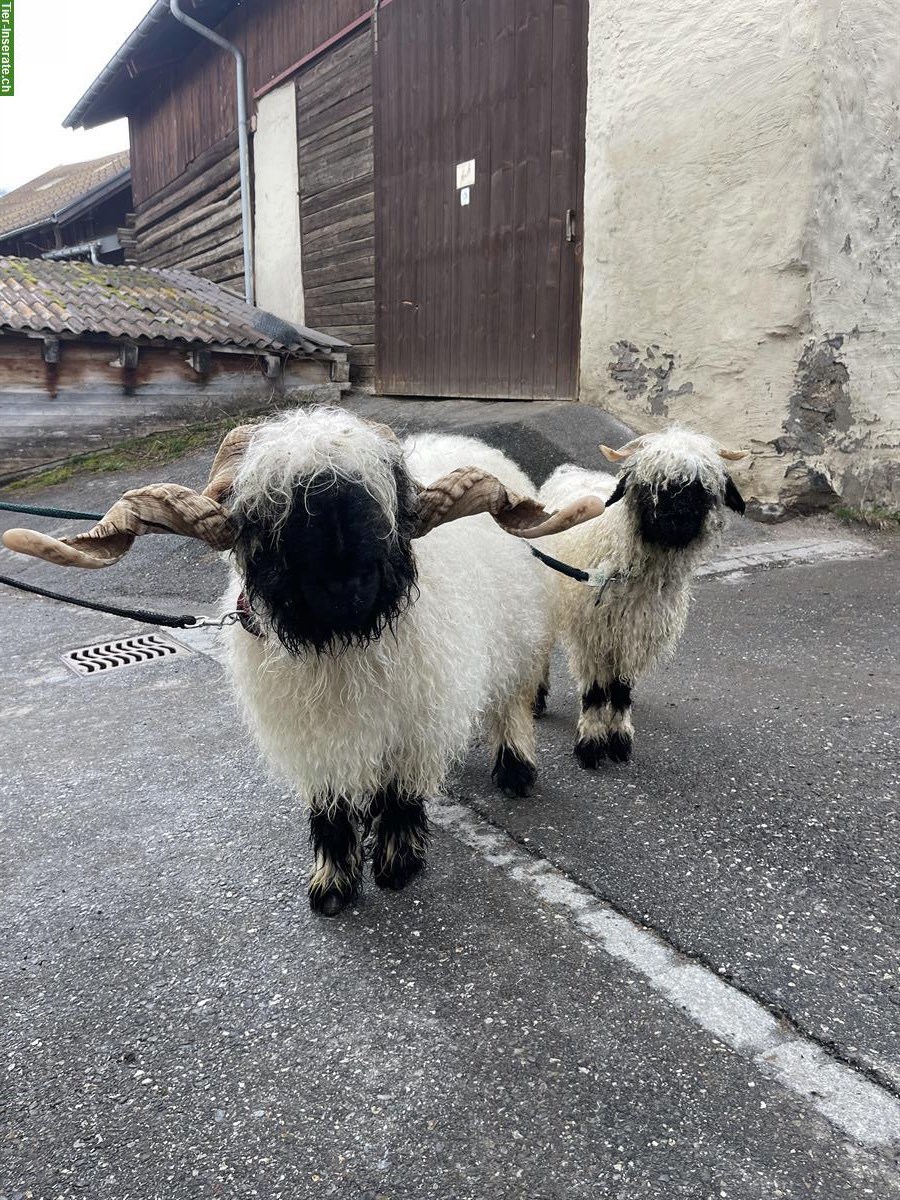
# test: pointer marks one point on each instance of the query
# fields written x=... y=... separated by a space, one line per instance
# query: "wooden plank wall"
x=190 y=107
x=91 y=407
x=337 y=197
x=194 y=222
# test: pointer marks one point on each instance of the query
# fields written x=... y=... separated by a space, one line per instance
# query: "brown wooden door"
x=480 y=299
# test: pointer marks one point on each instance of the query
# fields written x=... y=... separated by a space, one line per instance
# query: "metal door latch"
x=570 y=224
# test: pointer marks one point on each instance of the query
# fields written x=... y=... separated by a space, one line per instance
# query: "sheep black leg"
x=543 y=691
x=620 y=733
x=591 y=745
x=337 y=848
x=401 y=838
x=512 y=739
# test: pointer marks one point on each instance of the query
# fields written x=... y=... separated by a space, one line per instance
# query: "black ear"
x=733 y=497
x=619 y=491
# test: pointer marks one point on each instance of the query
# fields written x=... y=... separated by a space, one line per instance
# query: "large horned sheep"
x=662 y=520
x=367 y=652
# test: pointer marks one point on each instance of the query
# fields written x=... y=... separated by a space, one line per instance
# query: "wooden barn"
x=477 y=290
x=677 y=216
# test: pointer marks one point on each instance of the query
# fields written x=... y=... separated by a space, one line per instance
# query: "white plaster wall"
x=279 y=280
x=698 y=188
x=742 y=233
x=851 y=432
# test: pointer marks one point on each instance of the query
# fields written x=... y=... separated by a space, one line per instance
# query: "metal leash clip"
x=229 y=618
x=597 y=577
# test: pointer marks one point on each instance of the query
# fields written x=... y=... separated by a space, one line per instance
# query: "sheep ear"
x=619 y=490
x=624 y=452
x=733 y=497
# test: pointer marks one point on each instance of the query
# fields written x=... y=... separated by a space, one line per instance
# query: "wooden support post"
x=127 y=358
x=200 y=361
x=50 y=355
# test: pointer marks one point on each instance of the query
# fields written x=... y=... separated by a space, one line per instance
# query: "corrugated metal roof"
x=45 y=199
x=142 y=304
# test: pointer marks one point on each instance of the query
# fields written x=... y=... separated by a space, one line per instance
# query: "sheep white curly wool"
x=663 y=518
x=363 y=729
x=363 y=665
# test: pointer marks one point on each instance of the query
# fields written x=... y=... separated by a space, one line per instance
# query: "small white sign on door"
x=464 y=196
x=465 y=173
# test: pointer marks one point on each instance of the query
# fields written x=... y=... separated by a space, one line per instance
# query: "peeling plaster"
x=646 y=376
x=820 y=403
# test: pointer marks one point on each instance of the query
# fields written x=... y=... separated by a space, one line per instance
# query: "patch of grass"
x=874 y=518
x=153 y=450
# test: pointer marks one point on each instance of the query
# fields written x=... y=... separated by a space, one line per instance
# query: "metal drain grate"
x=126 y=652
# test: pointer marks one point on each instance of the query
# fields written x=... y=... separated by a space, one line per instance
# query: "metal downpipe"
x=243 y=139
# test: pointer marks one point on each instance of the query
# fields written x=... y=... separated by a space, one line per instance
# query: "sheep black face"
x=334 y=573
x=674 y=513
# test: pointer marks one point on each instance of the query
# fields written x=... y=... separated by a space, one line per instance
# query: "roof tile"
x=40 y=198
x=142 y=304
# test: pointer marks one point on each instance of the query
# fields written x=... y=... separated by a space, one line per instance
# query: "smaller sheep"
x=663 y=518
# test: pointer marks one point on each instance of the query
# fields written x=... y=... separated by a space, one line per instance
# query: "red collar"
x=247 y=617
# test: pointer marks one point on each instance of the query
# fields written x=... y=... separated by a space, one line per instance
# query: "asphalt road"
x=673 y=979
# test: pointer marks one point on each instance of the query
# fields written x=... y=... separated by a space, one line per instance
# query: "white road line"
x=860 y=1109
x=783 y=554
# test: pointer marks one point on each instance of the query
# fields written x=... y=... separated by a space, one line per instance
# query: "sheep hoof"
x=402 y=868
x=618 y=747
x=590 y=752
x=330 y=902
x=540 y=700
x=514 y=775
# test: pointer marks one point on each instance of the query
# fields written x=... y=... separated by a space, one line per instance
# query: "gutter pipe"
x=91 y=248
x=243 y=140
x=106 y=245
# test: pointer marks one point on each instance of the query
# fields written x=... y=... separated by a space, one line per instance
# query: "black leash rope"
x=563 y=568
x=596 y=578
x=143 y=615
x=61 y=514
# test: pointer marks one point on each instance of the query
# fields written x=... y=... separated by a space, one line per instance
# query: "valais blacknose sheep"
x=377 y=630
x=662 y=520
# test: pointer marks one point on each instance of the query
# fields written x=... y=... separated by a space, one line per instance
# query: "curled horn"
x=623 y=452
x=468 y=491
x=160 y=508
x=228 y=459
